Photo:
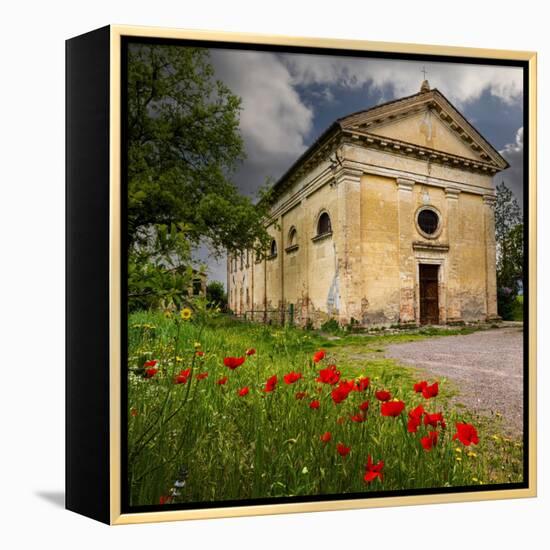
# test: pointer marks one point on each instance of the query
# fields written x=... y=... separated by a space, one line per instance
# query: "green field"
x=200 y=440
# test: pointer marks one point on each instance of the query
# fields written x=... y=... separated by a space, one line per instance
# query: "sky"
x=288 y=100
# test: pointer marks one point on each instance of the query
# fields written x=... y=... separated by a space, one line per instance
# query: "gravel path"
x=486 y=367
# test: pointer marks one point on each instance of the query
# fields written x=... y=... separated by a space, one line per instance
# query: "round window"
x=428 y=221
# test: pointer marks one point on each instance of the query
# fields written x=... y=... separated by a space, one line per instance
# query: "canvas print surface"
x=325 y=275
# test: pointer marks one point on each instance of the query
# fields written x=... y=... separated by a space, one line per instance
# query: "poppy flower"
x=362 y=384
x=415 y=418
x=199 y=353
x=364 y=406
x=329 y=375
x=183 y=376
x=466 y=434
x=419 y=386
x=392 y=408
x=133 y=411
x=359 y=417
x=382 y=395
x=434 y=419
x=233 y=362
x=300 y=394
x=292 y=377
x=315 y=404
x=250 y=351
x=430 y=391
x=429 y=441
x=342 y=391
x=342 y=449
x=165 y=499
x=270 y=383
x=373 y=471
x=151 y=363
x=222 y=381
x=326 y=437
x=202 y=375
x=318 y=356
x=244 y=391
x=149 y=373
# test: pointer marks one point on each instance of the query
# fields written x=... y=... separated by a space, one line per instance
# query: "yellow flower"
x=472 y=454
x=197 y=345
x=167 y=313
x=179 y=359
x=185 y=314
x=497 y=414
x=475 y=480
x=495 y=437
x=458 y=458
x=458 y=450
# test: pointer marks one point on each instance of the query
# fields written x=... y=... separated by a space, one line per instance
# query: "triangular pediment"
x=428 y=120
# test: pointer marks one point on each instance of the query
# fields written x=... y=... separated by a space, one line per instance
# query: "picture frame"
x=97 y=163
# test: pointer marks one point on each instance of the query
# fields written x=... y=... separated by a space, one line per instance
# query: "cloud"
x=274 y=120
x=461 y=83
x=513 y=176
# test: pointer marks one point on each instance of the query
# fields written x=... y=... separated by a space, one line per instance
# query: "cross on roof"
x=424 y=71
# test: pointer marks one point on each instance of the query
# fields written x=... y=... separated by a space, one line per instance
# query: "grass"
x=201 y=441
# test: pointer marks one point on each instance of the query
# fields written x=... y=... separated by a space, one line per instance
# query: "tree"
x=509 y=241
x=216 y=295
x=183 y=147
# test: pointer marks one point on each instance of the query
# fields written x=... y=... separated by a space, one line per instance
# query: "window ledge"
x=291 y=248
x=322 y=236
x=271 y=257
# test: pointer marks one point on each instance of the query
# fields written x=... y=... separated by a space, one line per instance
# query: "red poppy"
x=315 y=404
x=233 y=362
x=318 y=356
x=359 y=417
x=244 y=391
x=271 y=383
x=382 y=395
x=199 y=353
x=149 y=373
x=165 y=499
x=419 y=387
x=415 y=418
x=434 y=419
x=466 y=434
x=342 y=391
x=152 y=363
x=202 y=375
x=183 y=376
x=292 y=377
x=300 y=394
x=362 y=384
x=326 y=437
x=133 y=411
x=342 y=449
x=329 y=375
x=250 y=351
x=222 y=381
x=373 y=471
x=430 y=391
x=364 y=406
x=429 y=441
x=392 y=408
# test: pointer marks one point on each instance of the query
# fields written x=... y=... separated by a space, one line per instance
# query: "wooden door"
x=429 y=294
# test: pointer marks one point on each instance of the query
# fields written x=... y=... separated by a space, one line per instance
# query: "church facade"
x=388 y=218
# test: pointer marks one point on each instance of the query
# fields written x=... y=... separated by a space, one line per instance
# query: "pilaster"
x=490 y=255
x=454 y=306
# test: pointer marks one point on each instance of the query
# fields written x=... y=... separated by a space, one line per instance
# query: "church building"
x=388 y=218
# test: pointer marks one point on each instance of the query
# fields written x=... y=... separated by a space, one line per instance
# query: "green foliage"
x=216 y=295
x=183 y=146
x=331 y=326
x=509 y=241
x=220 y=445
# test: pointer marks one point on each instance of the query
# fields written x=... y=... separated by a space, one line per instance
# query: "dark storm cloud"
x=513 y=176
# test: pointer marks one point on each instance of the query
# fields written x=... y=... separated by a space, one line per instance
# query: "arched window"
x=292 y=236
x=324 y=227
x=273 y=248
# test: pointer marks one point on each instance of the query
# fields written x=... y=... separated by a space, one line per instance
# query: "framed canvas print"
x=300 y=274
